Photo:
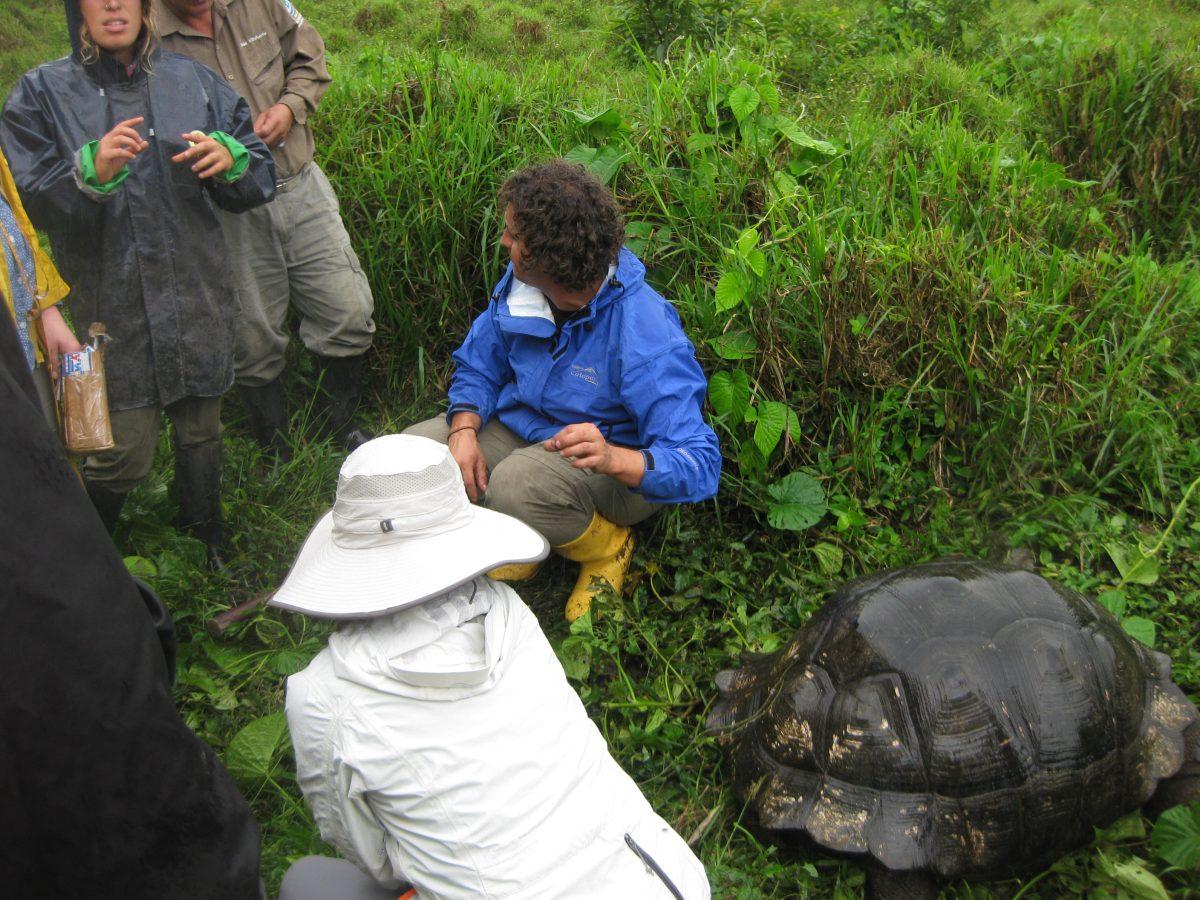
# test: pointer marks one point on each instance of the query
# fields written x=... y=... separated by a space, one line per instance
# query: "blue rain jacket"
x=622 y=362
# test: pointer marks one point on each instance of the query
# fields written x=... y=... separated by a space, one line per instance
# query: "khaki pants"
x=541 y=488
x=295 y=249
x=196 y=420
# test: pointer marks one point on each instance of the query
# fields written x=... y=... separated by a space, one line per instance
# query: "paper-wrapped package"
x=86 y=427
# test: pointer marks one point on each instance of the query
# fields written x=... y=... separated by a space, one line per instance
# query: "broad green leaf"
x=581 y=155
x=701 y=141
x=799 y=502
x=1139 y=628
x=757 y=261
x=769 y=95
x=729 y=393
x=750 y=461
x=747 y=241
x=813 y=147
x=733 y=345
x=252 y=749
x=140 y=567
x=790 y=130
x=1126 y=828
x=829 y=557
x=783 y=184
x=607 y=163
x=605 y=121
x=732 y=289
x=1176 y=836
x=229 y=659
x=1132 y=879
x=772 y=420
x=289 y=662
x=792 y=426
x=1134 y=566
x=743 y=100
x=603 y=162
x=1114 y=602
x=575 y=655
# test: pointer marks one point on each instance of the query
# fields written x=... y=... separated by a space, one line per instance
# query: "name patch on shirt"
x=586 y=373
x=293 y=12
x=249 y=41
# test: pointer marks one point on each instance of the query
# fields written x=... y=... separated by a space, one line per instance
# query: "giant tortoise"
x=955 y=719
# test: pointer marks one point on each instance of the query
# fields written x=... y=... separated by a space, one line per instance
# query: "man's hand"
x=116 y=148
x=59 y=338
x=464 y=447
x=274 y=123
x=586 y=448
x=207 y=155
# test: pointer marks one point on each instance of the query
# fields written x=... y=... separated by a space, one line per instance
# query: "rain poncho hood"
x=443 y=746
x=622 y=362
x=146 y=258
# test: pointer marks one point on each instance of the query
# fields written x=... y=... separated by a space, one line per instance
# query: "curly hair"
x=570 y=223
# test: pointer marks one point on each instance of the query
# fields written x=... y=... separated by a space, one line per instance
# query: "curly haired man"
x=576 y=401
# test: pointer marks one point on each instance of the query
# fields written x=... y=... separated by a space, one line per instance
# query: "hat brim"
x=335 y=582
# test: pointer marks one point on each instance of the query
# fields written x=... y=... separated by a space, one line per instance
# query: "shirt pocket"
x=264 y=61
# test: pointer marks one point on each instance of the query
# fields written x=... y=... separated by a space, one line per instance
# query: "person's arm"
x=306 y=77
x=481 y=370
x=334 y=783
x=50 y=181
x=665 y=395
x=252 y=180
x=58 y=336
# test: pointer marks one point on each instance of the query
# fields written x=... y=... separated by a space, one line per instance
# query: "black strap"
x=653 y=866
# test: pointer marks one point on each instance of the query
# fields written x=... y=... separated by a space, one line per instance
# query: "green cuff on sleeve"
x=241 y=156
x=87 y=171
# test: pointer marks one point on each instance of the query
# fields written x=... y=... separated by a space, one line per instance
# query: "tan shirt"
x=269 y=54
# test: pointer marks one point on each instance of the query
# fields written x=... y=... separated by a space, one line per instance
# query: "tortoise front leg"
x=886 y=884
x=1184 y=785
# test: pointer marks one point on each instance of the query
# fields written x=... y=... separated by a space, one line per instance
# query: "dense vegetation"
x=938 y=258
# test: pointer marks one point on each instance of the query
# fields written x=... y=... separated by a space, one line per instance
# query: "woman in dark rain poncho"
x=119 y=152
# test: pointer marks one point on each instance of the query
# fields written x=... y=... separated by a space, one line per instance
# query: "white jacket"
x=447 y=750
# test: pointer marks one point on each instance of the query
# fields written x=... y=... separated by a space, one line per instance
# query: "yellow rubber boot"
x=603 y=551
x=515 y=571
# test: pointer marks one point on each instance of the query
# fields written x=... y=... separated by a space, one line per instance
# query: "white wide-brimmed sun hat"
x=401 y=531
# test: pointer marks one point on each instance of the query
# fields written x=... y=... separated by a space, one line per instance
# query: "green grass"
x=975 y=321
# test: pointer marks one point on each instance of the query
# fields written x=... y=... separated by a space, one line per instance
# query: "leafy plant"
x=1176 y=837
x=798 y=504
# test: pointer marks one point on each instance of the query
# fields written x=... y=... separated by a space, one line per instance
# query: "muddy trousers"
x=541 y=488
x=196 y=422
x=295 y=250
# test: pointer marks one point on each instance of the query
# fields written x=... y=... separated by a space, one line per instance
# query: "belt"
x=283 y=185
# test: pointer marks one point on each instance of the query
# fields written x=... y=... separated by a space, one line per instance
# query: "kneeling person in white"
x=437 y=740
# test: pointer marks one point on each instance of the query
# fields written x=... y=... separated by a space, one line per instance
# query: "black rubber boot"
x=108 y=504
x=341 y=385
x=198 y=492
x=267 y=407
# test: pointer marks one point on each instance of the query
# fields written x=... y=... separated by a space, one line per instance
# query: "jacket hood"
x=525 y=309
x=74 y=24
x=451 y=647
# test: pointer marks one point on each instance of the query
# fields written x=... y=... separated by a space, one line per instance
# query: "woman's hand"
x=117 y=148
x=59 y=338
x=211 y=157
x=464 y=447
x=586 y=448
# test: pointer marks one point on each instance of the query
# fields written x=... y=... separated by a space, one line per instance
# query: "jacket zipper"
x=653 y=866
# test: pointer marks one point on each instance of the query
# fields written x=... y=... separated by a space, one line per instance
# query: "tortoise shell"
x=957 y=717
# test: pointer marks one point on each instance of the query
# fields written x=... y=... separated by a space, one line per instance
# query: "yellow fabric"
x=49 y=282
x=603 y=552
x=515 y=571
